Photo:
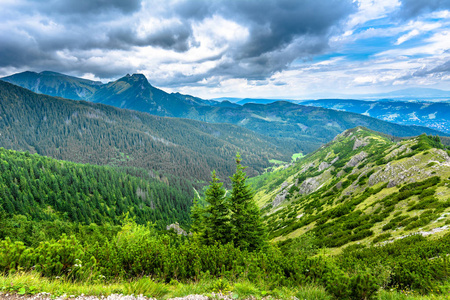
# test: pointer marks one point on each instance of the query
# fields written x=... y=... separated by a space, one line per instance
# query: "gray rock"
x=323 y=166
x=279 y=198
x=356 y=159
x=334 y=160
x=308 y=186
x=177 y=229
x=360 y=143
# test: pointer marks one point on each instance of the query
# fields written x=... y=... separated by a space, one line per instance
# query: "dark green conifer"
x=247 y=226
x=197 y=221
x=217 y=214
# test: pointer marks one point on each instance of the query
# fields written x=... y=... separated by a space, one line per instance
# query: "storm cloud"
x=198 y=43
x=59 y=34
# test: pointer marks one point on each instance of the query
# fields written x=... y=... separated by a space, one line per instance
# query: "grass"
x=32 y=283
x=277 y=162
x=296 y=156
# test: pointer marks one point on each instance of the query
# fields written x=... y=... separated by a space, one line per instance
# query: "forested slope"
x=94 y=133
x=45 y=189
x=296 y=128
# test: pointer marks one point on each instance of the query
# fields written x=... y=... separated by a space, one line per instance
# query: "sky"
x=234 y=48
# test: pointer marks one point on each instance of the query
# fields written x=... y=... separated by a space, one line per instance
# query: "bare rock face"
x=356 y=159
x=308 y=186
x=359 y=143
x=400 y=150
x=334 y=160
x=279 y=198
x=395 y=175
x=323 y=166
x=177 y=229
x=443 y=154
x=283 y=192
x=343 y=134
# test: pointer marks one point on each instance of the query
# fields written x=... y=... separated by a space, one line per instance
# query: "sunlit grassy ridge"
x=362 y=187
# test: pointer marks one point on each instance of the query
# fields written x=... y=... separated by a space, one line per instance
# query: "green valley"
x=370 y=196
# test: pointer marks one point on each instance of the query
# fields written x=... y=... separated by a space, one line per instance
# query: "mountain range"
x=434 y=115
x=297 y=128
x=94 y=133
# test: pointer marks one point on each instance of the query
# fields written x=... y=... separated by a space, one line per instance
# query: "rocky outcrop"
x=279 y=198
x=308 y=186
x=176 y=227
x=324 y=165
x=282 y=193
x=360 y=143
x=306 y=168
x=356 y=159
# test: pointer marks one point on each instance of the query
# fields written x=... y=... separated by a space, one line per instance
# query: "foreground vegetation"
x=138 y=252
x=46 y=249
x=32 y=283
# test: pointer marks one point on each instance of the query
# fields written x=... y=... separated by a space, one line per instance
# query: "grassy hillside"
x=94 y=133
x=360 y=188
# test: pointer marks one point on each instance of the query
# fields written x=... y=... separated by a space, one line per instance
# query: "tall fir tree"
x=217 y=214
x=197 y=221
x=247 y=227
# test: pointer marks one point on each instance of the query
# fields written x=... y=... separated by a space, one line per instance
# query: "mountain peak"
x=51 y=73
x=138 y=78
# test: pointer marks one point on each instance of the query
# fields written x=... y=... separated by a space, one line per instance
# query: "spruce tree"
x=247 y=227
x=217 y=214
x=197 y=222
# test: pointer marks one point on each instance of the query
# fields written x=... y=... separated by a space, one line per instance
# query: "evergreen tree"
x=217 y=214
x=247 y=226
x=197 y=225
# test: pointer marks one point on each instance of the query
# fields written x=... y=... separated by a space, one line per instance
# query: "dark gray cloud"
x=88 y=7
x=280 y=31
x=435 y=72
x=177 y=37
x=411 y=9
x=444 y=68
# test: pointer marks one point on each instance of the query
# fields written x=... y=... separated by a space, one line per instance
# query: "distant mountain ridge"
x=55 y=84
x=297 y=128
x=86 y=132
x=130 y=92
x=430 y=114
